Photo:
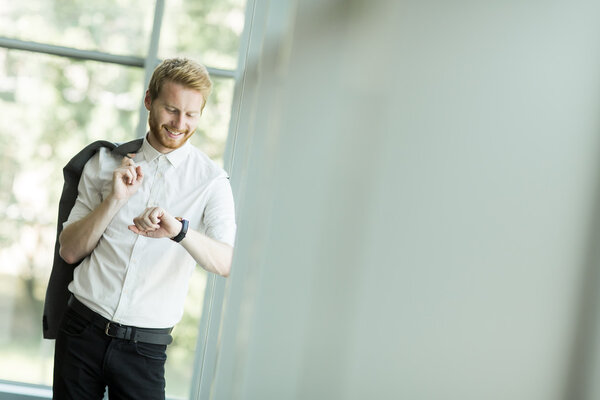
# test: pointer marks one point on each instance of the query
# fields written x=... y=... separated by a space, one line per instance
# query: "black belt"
x=116 y=330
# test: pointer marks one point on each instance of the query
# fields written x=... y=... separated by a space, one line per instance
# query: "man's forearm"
x=210 y=254
x=79 y=238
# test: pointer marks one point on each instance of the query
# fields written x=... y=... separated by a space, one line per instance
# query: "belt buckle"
x=107 y=330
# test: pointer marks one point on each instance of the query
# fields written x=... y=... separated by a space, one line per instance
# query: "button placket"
x=158 y=192
x=153 y=200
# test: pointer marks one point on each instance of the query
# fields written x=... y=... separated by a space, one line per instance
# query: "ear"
x=147 y=100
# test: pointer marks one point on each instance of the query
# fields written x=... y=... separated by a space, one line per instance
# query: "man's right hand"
x=127 y=178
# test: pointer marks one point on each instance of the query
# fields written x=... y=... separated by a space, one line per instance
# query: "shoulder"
x=202 y=165
x=100 y=166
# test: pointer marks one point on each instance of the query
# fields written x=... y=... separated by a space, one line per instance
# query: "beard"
x=159 y=134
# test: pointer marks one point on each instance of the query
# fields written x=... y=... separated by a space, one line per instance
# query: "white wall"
x=417 y=194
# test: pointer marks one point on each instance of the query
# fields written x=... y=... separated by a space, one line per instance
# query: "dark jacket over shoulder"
x=57 y=293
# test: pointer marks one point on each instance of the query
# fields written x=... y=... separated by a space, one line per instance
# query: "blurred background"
x=416 y=186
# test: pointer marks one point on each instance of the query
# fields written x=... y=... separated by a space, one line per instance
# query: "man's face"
x=174 y=116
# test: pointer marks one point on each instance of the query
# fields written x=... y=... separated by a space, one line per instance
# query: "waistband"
x=124 y=332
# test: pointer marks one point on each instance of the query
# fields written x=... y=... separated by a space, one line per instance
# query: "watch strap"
x=184 y=228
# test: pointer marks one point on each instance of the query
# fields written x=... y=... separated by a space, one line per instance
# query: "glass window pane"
x=181 y=353
x=211 y=135
x=51 y=108
x=212 y=31
x=112 y=26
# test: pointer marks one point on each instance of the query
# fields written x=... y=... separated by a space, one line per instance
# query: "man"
x=129 y=290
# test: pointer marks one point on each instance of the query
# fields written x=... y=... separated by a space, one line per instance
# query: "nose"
x=179 y=121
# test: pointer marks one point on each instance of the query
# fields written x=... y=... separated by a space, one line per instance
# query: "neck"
x=156 y=145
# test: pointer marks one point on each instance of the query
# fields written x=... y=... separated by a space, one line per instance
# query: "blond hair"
x=183 y=71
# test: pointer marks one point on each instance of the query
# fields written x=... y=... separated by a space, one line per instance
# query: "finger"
x=132 y=174
x=155 y=215
x=137 y=231
x=147 y=214
x=126 y=175
x=144 y=223
x=140 y=175
x=126 y=161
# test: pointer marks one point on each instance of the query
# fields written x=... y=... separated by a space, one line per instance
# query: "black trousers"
x=86 y=361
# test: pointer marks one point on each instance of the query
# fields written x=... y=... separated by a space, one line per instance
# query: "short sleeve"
x=219 y=213
x=89 y=193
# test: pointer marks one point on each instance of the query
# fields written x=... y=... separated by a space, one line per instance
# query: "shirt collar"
x=175 y=157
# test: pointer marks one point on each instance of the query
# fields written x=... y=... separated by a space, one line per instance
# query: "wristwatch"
x=184 y=228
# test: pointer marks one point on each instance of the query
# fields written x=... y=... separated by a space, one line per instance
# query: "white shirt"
x=140 y=281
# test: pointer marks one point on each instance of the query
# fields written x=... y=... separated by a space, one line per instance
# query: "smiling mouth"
x=173 y=133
